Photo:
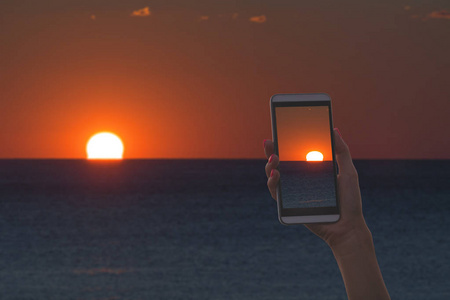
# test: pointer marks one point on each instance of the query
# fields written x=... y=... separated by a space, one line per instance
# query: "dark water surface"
x=205 y=229
x=307 y=184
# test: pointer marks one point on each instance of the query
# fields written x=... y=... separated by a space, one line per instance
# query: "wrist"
x=355 y=255
x=356 y=239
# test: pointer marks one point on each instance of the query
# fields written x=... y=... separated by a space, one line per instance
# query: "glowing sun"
x=314 y=156
x=104 y=145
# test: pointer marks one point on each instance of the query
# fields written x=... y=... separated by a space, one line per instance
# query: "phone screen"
x=308 y=172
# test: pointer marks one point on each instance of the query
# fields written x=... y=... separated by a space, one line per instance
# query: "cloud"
x=258 y=19
x=234 y=16
x=443 y=14
x=143 y=12
x=407 y=7
x=204 y=18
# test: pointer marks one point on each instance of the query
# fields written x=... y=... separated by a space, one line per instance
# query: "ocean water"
x=307 y=184
x=205 y=229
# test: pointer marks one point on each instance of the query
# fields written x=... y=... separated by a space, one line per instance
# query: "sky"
x=302 y=130
x=193 y=79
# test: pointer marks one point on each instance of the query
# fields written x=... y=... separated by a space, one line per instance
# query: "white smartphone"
x=302 y=132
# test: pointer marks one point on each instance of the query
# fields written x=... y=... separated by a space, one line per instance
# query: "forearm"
x=358 y=264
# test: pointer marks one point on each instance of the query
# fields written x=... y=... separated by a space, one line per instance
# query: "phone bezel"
x=289 y=216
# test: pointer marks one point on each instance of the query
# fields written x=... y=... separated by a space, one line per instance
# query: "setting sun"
x=314 y=156
x=104 y=145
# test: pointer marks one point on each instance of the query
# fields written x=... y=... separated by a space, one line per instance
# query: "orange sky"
x=302 y=130
x=193 y=79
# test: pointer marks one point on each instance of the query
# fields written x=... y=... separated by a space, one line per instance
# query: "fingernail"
x=337 y=129
x=270 y=158
x=271 y=173
x=264 y=143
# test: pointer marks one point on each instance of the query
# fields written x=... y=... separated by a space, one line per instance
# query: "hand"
x=352 y=219
x=349 y=238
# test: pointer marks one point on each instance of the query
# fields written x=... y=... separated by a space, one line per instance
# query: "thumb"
x=343 y=157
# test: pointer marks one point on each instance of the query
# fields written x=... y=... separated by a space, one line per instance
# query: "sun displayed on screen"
x=104 y=145
x=314 y=156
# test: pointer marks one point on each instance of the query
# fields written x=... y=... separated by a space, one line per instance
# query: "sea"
x=206 y=229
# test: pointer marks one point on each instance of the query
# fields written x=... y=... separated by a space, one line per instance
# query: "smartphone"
x=302 y=131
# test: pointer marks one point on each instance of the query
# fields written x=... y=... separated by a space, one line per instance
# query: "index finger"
x=268 y=148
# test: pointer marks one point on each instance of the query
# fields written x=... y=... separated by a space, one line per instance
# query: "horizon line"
x=195 y=158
